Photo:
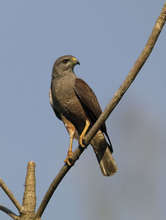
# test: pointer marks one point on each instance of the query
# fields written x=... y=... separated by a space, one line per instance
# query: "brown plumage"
x=74 y=102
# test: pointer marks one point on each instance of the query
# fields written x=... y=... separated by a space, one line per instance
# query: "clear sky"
x=107 y=37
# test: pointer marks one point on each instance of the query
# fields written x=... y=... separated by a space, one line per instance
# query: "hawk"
x=76 y=105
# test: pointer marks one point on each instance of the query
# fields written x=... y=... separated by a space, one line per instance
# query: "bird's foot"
x=81 y=139
x=68 y=159
x=81 y=142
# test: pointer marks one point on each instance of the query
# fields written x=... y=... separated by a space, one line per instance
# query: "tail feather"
x=104 y=156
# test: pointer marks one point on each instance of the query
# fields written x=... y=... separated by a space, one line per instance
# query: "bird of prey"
x=74 y=102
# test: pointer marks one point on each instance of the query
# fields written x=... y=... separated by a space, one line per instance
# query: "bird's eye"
x=65 y=60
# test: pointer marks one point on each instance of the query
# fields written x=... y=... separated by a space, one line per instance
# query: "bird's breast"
x=63 y=93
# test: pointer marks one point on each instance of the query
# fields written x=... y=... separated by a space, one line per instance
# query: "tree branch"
x=110 y=107
x=27 y=210
x=10 y=195
x=131 y=75
x=9 y=212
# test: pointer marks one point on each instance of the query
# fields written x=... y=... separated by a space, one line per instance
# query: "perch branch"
x=9 y=212
x=110 y=107
x=131 y=75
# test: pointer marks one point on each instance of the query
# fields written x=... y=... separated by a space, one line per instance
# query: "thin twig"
x=10 y=195
x=9 y=212
x=110 y=107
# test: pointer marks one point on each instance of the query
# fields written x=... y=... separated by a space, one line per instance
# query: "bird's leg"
x=71 y=130
x=87 y=124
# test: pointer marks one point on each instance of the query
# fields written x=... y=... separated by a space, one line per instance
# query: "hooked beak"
x=75 y=61
x=78 y=62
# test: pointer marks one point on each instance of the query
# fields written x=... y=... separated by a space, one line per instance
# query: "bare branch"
x=27 y=210
x=9 y=212
x=10 y=195
x=131 y=75
x=51 y=190
x=110 y=107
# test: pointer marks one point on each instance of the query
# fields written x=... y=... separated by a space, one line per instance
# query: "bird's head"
x=63 y=64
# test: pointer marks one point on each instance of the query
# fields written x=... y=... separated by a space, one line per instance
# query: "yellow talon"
x=68 y=159
x=87 y=124
x=71 y=130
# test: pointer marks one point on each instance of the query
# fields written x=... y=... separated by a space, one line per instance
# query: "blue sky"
x=107 y=37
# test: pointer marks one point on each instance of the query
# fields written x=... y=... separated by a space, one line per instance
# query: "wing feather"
x=88 y=99
x=90 y=104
